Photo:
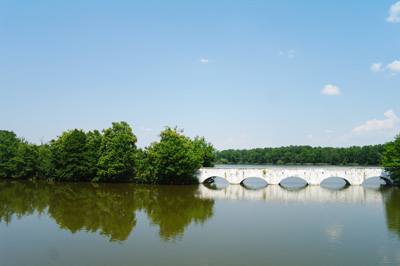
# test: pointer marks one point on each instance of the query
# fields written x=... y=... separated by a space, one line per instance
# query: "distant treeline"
x=304 y=155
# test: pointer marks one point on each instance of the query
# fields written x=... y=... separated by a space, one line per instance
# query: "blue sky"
x=243 y=74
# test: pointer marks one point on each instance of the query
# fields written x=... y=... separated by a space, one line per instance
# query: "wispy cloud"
x=376 y=67
x=204 y=61
x=289 y=53
x=394 y=13
x=373 y=125
x=330 y=90
x=394 y=66
x=328 y=131
x=146 y=129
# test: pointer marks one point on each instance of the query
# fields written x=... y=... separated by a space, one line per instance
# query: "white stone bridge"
x=312 y=175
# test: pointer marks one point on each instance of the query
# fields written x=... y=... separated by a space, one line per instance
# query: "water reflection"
x=111 y=209
x=315 y=194
x=392 y=200
x=334 y=231
x=106 y=208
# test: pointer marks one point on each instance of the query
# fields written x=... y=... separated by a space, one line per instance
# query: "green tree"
x=70 y=156
x=117 y=153
x=174 y=160
x=391 y=159
x=9 y=144
x=24 y=164
x=205 y=150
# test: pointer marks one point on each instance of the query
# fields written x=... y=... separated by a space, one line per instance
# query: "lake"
x=45 y=223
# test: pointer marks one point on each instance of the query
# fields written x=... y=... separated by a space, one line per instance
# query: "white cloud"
x=394 y=66
x=376 y=67
x=394 y=13
x=328 y=131
x=330 y=90
x=289 y=53
x=146 y=129
x=204 y=61
x=309 y=136
x=374 y=124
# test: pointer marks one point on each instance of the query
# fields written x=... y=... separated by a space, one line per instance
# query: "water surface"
x=129 y=224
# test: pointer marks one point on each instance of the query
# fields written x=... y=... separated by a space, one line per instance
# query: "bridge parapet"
x=312 y=175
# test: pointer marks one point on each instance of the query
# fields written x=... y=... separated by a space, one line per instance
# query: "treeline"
x=107 y=156
x=304 y=155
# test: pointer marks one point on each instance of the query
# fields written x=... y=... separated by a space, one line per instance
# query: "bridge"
x=312 y=175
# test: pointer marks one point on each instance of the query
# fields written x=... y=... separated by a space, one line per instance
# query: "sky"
x=243 y=74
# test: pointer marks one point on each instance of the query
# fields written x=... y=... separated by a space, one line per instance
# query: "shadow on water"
x=293 y=183
x=254 y=183
x=374 y=183
x=106 y=208
x=334 y=183
x=216 y=183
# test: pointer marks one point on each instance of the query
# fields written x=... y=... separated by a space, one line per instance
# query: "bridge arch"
x=377 y=180
x=254 y=183
x=293 y=182
x=335 y=179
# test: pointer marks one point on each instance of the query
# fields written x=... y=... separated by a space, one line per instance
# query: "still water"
x=45 y=223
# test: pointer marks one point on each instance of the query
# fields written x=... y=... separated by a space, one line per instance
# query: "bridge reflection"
x=317 y=194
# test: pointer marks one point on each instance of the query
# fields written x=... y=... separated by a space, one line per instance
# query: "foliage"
x=70 y=156
x=175 y=159
x=117 y=153
x=24 y=163
x=205 y=150
x=391 y=159
x=298 y=155
x=9 y=144
x=109 y=156
x=18 y=158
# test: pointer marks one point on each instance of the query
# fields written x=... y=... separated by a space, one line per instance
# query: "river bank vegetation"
x=112 y=156
x=107 y=156
x=304 y=155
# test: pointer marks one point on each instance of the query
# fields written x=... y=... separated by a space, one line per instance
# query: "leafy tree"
x=117 y=153
x=174 y=160
x=24 y=165
x=9 y=144
x=205 y=150
x=391 y=159
x=70 y=156
x=18 y=158
x=94 y=139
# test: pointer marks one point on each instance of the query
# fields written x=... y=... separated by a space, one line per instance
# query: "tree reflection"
x=106 y=208
x=173 y=208
x=392 y=199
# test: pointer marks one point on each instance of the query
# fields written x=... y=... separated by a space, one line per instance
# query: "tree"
x=9 y=144
x=70 y=156
x=174 y=160
x=391 y=159
x=205 y=150
x=25 y=165
x=117 y=153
